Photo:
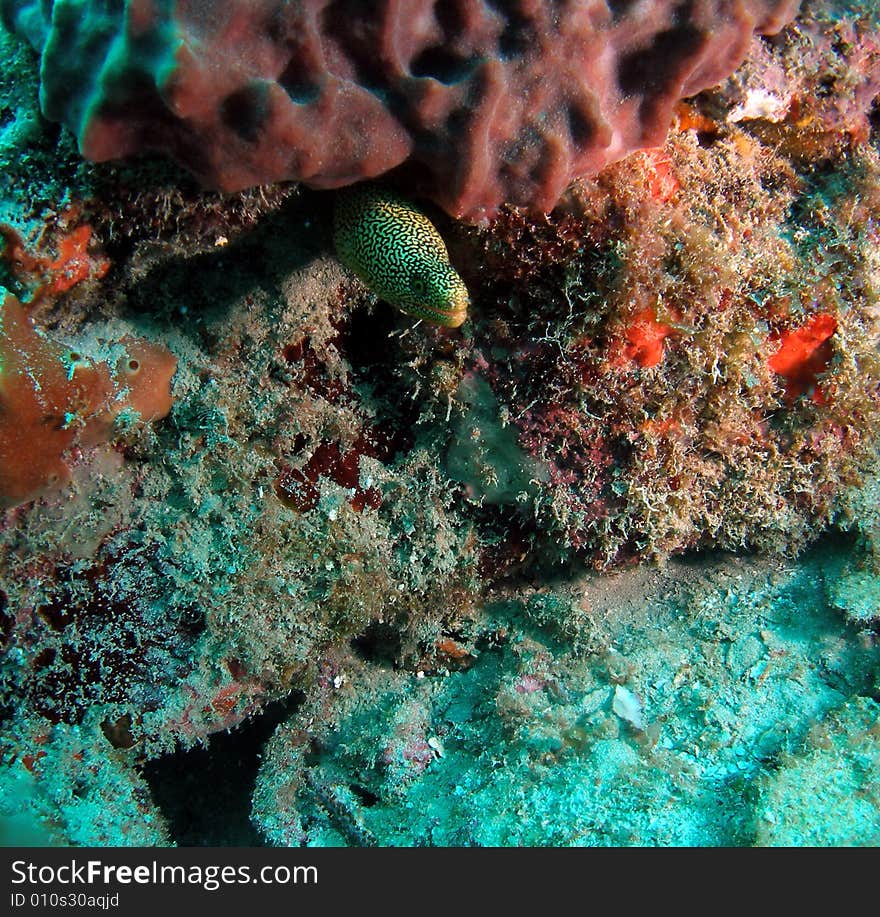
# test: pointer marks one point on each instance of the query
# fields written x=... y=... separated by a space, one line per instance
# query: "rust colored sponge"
x=477 y=102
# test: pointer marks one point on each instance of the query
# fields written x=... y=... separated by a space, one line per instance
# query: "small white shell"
x=628 y=707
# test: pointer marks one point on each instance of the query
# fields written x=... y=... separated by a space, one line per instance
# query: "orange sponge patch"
x=643 y=341
x=52 y=399
x=49 y=277
x=145 y=369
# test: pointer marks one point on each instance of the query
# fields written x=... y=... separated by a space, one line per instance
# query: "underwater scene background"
x=588 y=555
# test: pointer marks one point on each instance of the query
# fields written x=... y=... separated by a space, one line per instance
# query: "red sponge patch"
x=803 y=354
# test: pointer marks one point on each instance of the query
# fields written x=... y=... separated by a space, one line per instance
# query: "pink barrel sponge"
x=473 y=103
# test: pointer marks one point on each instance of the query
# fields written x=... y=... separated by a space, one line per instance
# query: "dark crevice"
x=443 y=65
x=620 y=8
x=245 y=110
x=581 y=126
x=874 y=119
x=651 y=71
x=380 y=644
x=210 y=283
x=205 y=792
x=7 y=622
x=344 y=23
x=518 y=33
x=299 y=83
x=365 y=342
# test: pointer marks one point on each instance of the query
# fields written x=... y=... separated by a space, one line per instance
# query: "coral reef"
x=476 y=103
x=599 y=566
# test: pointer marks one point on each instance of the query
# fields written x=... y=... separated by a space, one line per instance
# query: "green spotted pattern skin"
x=396 y=251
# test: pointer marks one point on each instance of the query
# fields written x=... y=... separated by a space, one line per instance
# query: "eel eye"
x=418 y=284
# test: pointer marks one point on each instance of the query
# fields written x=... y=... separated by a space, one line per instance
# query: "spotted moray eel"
x=396 y=251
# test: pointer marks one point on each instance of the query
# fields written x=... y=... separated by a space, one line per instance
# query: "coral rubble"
x=733 y=722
